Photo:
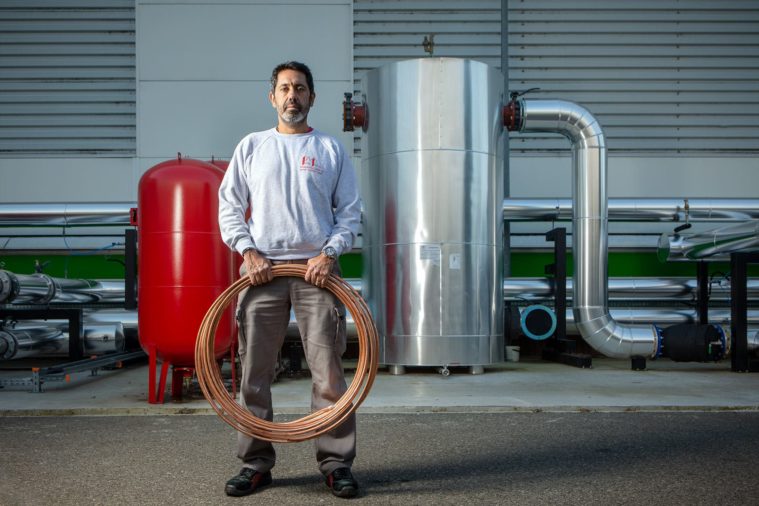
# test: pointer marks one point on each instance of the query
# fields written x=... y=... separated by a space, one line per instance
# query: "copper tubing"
x=317 y=422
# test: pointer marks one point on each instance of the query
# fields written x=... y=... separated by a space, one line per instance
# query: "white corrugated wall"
x=666 y=77
x=67 y=77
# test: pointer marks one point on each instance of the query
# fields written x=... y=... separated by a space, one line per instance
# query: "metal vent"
x=662 y=76
x=67 y=77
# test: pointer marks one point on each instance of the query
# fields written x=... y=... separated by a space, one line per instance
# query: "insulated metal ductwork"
x=589 y=223
x=43 y=289
x=722 y=241
x=65 y=215
x=638 y=209
x=46 y=339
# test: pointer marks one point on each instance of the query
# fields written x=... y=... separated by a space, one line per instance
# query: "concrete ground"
x=527 y=385
x=528 y=432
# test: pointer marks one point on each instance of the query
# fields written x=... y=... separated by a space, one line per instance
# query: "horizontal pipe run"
x=639 y=209
x=528 y=289
x=742 y=237
x=43 y=289
x=634 y=316
x=628 y=290
x=66 y=215
x=642 y=317
x=514 y=209
x=51 y=338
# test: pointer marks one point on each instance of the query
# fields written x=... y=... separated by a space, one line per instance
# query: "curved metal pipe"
x=740 y=237
x=639 y=209
x=590 y=226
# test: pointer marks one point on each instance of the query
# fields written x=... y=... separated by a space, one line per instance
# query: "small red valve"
x=354 y=114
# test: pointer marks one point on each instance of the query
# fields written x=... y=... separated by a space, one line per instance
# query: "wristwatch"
x=330 y=252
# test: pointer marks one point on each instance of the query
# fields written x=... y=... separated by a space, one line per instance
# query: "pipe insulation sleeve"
x=315 y=423
x=590 y=228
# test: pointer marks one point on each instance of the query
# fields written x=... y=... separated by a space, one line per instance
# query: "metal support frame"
x=130 y=268
x=702 y=286
x=73 y=315
x=559 y=348
x=739 y=356
x=62 y=372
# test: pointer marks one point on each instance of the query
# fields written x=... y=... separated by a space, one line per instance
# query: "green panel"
x=67 y=266
x=352 y=265
x=523 y=264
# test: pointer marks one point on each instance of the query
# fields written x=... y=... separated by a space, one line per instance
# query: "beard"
x=294 y=116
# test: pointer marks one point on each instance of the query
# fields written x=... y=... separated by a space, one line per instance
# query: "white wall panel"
x=203 y=70
x=245 y=2
x=242 y=42
x=67 y=78
x=67 y=180
x=201 y=119
x=642 y=176
x=662 y=76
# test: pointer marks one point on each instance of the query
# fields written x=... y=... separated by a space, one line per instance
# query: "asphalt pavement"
x=676 y=457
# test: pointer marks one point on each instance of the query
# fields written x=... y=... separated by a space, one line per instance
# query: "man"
x=304 y=205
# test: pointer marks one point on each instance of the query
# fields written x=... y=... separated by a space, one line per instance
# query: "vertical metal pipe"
x=590 y=226
x=506 y=167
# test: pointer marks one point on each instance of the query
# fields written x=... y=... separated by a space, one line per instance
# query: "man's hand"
x=258 y=267
x=318 y=270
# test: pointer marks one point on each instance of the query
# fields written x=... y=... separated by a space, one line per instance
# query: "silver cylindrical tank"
x=433 y=188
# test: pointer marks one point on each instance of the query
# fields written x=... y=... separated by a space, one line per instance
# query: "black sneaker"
x=248 y=481
x=341 y=482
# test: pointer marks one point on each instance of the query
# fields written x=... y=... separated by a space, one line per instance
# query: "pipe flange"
x=8 y=345
x=52 y=288
x=9 y=287
x=658 y=342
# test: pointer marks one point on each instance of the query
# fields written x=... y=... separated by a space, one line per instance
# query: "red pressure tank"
x=183 y=266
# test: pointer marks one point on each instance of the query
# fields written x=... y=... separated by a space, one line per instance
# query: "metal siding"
x=67 y=77
x=662 y=76
x=386 y=31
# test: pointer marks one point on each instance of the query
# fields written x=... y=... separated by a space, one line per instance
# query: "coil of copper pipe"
x=315 y=423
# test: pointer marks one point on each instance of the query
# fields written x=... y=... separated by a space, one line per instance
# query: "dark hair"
x=298 y=67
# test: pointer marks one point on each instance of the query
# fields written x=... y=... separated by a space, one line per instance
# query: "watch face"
x=330 y=252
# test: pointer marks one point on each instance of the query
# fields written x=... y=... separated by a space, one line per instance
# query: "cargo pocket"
x=340 y=329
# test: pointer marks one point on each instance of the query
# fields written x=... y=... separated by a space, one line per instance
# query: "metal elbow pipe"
x=590 y=225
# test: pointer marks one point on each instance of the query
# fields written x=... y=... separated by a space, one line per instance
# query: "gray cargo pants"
x=263 y=313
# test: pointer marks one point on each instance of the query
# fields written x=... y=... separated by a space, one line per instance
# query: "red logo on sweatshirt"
x=310 y=164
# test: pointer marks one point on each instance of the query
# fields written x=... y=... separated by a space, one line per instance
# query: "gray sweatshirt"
x=302 y=193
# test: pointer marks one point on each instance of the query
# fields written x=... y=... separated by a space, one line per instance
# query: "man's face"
x=291 y=97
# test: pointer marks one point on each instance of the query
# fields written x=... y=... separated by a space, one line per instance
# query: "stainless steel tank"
x=433 y=189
